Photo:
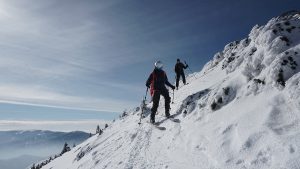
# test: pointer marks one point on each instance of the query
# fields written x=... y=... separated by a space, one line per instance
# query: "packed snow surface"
x=241 y=111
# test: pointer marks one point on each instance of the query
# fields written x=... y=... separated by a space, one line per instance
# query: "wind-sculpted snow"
x=270 y=53
x=293 y=89
x=241 y=111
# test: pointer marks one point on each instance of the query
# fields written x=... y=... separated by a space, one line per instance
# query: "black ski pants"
x=178 y=78
x=156 y=98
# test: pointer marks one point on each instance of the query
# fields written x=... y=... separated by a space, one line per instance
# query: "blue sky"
x=78 y=60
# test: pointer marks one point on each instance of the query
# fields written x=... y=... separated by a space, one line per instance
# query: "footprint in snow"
x=229 y=128
x=291 y=149
x=133 y=136
x=240 y=161
x=200 y=148
x=262 y=158
x=253 y=139
x=95 y=153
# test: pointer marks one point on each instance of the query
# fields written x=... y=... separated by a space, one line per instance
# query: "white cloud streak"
x=43 y=45
x=28 y=95
x=57 y=42
x=66 y=126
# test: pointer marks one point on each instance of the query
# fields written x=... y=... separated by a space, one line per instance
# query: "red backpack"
x=152 y=83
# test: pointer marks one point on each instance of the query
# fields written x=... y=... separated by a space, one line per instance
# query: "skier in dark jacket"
x=179 y=72
x=156 y=82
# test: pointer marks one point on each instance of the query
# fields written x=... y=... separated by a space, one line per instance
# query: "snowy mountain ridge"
x=241 y=111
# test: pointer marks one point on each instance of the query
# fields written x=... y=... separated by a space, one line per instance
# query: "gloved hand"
x=187 y=65
x=173 y=87
x=148 y=86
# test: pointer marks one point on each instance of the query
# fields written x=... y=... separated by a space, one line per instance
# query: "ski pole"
x=173 y=97
x=190 y=70
x=146 y=94
x=144 y=103
x=143 y=106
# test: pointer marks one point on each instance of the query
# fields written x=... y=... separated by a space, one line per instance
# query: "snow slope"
x=242 y=111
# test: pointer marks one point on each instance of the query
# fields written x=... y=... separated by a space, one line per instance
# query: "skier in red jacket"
x=156 y=82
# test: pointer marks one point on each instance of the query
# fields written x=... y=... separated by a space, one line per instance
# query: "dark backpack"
x=177 y=68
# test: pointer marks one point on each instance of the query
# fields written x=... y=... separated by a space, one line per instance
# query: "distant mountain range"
x=27 y=147
x=39 y=137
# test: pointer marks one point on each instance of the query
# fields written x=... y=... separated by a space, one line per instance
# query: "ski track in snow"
x=142 y=142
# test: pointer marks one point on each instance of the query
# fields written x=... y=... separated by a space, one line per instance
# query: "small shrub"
x=220 y=100
x=213 y=105
x=80 y=155
x=280 y=78
x=253 y=50
x=226 y=90
x=247 y=41
x=259 y=81
x=285 y=39
x=284 y=62
x=287 y=23
x=230 y=59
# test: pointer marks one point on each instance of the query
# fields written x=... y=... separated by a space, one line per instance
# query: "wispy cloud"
x=29 y=95
x=82 y=125
x=46 y=38
x=44 y=48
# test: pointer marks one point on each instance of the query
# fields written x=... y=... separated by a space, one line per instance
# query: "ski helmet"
x=158 y=65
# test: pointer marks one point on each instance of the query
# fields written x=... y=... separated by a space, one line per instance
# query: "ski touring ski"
x=171 y=118
x=156 y=125
x=174 y=120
